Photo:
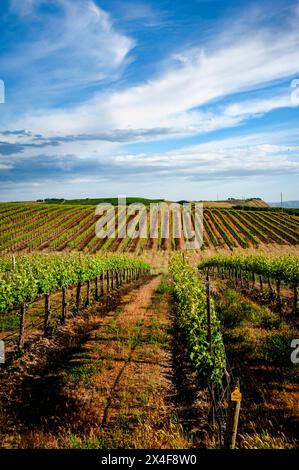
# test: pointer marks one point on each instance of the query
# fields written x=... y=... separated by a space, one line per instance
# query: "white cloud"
x=5 y=166
x=185 y=99
x=257 y=107
x=255 y=61
x=185 y=123
x=245 y=155
x=257 y=158
x=232 y=63
x=77 y=46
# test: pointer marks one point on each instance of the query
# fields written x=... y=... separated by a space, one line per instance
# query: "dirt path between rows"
x=117 y=390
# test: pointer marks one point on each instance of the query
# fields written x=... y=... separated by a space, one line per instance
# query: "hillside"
x=229 y=203
x=96 y=201
x=39 y=226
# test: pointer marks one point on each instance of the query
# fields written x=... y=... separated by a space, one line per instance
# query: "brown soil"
x=269 y=415
x=215 y=230
x=108 y=379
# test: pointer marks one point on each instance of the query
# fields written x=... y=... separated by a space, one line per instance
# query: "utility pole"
x=281 y=202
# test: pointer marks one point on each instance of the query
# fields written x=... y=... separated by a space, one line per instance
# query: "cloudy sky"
x=193 y=99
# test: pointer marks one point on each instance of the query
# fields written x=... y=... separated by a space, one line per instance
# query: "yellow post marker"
x=233 y=417
x=236 y=395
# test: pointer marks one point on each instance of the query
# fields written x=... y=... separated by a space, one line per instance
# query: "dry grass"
x=258 y=347
x=113 y=392
x=159 y=260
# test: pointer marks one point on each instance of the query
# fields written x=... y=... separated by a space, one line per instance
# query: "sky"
x=194 y=99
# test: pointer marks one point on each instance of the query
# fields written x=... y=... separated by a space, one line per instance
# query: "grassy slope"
x=94 y=202
x=257 y=343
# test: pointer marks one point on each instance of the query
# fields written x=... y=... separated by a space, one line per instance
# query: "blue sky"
x=172 y=99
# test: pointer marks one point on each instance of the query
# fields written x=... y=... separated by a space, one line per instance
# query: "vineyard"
x=248 y=271
x=29 y=279
x=59 y=227
x=149 y=233
x=67 y=303
x=89 y=313
x=206 y=353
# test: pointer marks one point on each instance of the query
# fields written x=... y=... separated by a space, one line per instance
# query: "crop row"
x=28 y=227
x=197 y=321
x=279 y=269
x=38 y=275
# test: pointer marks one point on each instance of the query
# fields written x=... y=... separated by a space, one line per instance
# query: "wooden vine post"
x=209 y=339
x=108 y=287
x=102 y=284
x=22 y=327
x=78 y=295
x=209 y=336
x=96 y=288
x=112 y=279
x=64 y=305
x=261 y=282
x=47 y=319
x=107 y=280
x=233 y=413
x=87 y=302
x=270 y=287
